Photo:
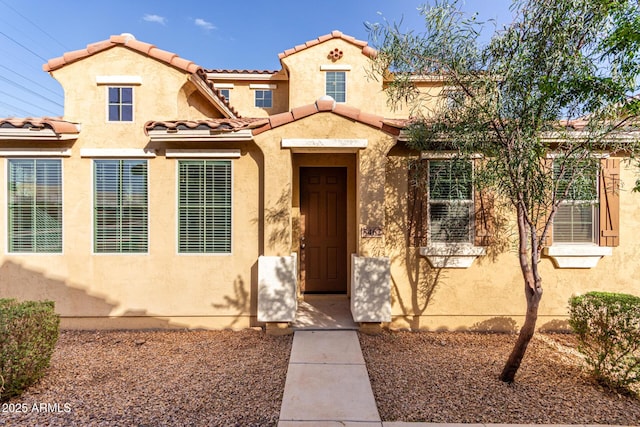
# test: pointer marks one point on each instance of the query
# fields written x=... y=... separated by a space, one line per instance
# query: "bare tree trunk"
x=533 y=294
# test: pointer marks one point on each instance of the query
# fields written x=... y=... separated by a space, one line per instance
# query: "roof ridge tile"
x=128 y=41
x=335 y=34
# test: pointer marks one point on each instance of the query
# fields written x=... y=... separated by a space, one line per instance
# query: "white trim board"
x=324 y=143
x=117 y=152
x=230 y=153
x=40 y=152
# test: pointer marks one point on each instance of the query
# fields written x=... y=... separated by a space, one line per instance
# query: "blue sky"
x=225 y=34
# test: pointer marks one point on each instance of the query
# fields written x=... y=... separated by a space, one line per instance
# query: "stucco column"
x=277 y=193
x=371 y=186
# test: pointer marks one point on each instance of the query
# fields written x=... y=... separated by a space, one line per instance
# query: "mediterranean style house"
x=175 y=196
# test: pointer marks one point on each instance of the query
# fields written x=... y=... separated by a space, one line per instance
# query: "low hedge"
x=28 y=334
x=608 y=330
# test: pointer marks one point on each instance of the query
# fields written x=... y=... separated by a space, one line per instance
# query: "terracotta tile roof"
x=225 y=71
x=57 y=125
x=366 y=49
x=126 y=40
x=259 y=125
x=326 y=104
x=229 y=125
x=203 y=74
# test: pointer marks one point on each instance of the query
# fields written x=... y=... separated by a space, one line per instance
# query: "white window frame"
x=335 y=72
x=205 y=156
x=462 y=202
x=35 y=157
x=93 y=207
x=595 y=216
x=262 y=91
x=108 y=103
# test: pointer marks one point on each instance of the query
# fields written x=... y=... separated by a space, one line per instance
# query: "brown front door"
x=323 y=243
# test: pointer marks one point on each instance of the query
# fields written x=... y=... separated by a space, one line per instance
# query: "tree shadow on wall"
x=277 y=219
x=239 y=301
x=423 y=279
x=71 y=301
x=403 y=206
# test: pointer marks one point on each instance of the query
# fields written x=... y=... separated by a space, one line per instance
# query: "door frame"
x=345 y=160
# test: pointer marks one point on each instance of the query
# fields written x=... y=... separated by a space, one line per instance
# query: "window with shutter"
x=35 y=205
x=121 y=211
x=576 y=219
x=450 y=201
x=204 y=206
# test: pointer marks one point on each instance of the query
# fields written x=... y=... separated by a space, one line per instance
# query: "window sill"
x=577 y=256
x=451 y=255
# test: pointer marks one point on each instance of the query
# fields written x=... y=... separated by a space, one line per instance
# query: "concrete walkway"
x=327 y=382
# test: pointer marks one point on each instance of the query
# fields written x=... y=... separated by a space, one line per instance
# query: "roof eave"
x=202 y=87
x=35 y=134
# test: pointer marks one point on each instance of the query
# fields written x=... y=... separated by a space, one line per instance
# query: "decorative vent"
x=335 y=54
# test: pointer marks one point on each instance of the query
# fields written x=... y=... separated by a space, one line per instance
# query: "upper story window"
x=225 y=93
x=450 y=201
x=264 y=98
x=336 y=85
x=120 y=108
x=121 y=211
x=576 y=220
x=35 y=205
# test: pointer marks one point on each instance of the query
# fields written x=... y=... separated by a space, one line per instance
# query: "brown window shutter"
x=417 y=203
x=484 y=220
x=609 y=202
x=546 y=210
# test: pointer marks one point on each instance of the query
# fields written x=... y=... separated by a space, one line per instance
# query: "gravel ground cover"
x=453 y=378
x=158 y=378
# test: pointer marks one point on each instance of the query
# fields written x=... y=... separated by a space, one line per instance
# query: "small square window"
x=225 y=93
x=336 y=85
x=264 y=98
x=120 y=104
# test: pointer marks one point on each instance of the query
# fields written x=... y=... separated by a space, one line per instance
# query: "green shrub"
x=28 y=335
x=608 y=329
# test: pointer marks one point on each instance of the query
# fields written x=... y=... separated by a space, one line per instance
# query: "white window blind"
x=450 y=201
x=577 y=216
x=204 y=206
x=120 y=206
x=35 y=205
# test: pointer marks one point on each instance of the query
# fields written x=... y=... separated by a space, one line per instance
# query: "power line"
x=23 y=46
x=29 y=103
x=16 y=109
x=35 y=25
x=32 y=81
x=18 y=85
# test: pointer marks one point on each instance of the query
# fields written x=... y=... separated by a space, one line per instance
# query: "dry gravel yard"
x=453 y=378
x=226 y=378
x=220 y=378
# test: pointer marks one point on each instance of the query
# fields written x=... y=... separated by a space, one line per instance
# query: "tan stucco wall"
x=161 y=288
x=365 y=191
x=165 y=289
x=490 y=294
x=165 y=93
x=243 y=98
x=307 y=81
